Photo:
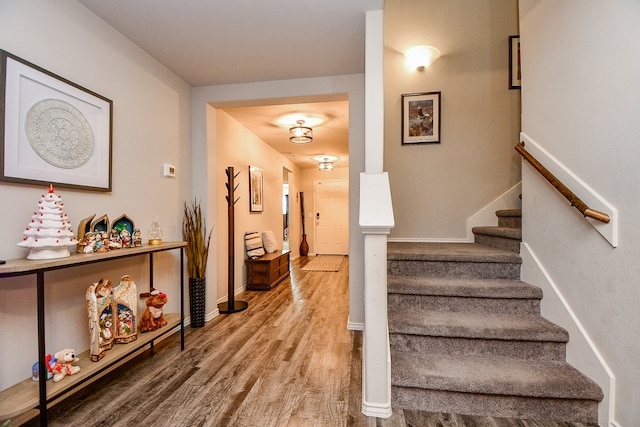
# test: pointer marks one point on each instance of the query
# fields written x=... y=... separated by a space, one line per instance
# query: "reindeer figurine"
x=152 y=318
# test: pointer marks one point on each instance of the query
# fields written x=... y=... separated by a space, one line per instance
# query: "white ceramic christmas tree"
x=49 y=233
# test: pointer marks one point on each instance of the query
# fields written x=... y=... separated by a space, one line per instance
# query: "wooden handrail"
x=568 y=194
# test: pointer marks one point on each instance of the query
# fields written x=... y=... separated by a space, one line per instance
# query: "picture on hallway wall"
x=421 y=118
x=515 y=72
x=256 y=195
x=53 y=130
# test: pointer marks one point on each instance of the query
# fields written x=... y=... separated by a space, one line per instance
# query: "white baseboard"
x=354 y=326
x=582 y=353
x=373 y=410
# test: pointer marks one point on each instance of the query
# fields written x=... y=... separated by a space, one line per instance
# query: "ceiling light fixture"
x=325 y=166
x=421 y=57
x=300 y=134
x=325 y=162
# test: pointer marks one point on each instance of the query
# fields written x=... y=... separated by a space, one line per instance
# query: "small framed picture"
x=256 y=196
x=53 y=131
x=421 y=118
x=515 y=73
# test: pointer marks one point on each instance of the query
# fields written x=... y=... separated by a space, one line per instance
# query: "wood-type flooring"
x=288 y=360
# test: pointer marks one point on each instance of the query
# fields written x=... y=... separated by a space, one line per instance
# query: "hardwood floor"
x=288 y=360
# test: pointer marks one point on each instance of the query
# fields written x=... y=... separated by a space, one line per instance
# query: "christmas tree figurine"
x=49 y=233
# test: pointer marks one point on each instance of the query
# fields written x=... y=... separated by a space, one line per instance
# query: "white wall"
x=435 y=188
x=151 y=126
x=580 y=101
x=240 y=148
x=204 y=147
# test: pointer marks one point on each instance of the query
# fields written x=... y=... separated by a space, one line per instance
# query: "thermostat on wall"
x=169 y=170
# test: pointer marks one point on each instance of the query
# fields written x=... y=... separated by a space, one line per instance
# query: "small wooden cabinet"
x=267 y=271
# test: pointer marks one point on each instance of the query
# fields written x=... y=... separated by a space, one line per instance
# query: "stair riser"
x=510 y=221
x=571 y=410
x=460 y=270
x=531 y=350
x=466 y=305
x=498 y=242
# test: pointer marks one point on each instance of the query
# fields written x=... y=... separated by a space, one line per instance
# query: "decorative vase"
x=197 y=293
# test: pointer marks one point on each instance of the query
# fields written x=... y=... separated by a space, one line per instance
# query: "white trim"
x=582 y=352
x=383 y=409
x=354 y=326
x=609 y=230
x=374 y=410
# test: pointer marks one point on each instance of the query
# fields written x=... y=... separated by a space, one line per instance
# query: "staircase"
x=467 y=337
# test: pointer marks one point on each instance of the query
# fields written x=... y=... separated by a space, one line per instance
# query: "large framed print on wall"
x=53 y=130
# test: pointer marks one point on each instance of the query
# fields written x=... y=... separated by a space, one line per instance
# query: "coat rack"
x=231 y=306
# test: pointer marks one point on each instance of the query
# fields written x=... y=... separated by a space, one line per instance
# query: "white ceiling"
x=214 y=42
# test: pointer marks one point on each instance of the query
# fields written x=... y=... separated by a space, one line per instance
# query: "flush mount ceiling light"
x=325 y=162
x=300 y=134
x=325 y=166
x=421 y=57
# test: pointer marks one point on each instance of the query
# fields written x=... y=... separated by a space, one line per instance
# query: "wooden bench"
x=267 y=271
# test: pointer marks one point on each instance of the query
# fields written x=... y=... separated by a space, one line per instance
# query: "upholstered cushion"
x=269 y=242
x=253 y=244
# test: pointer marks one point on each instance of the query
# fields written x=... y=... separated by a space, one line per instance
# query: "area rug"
x=324 y=263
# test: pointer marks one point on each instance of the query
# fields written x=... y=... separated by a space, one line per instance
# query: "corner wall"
x=151 y=126
x=437 y=187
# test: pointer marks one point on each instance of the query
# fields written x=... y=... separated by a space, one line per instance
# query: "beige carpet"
x=324 y=263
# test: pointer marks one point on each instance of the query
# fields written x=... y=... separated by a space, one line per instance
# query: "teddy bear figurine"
x=153 y=318
x=64 y=359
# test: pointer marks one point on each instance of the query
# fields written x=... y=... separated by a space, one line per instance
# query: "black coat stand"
x=231 y=306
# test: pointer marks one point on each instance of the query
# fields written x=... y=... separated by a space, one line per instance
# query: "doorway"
x=331 y=217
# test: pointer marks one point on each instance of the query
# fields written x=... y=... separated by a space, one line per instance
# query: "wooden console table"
x=28 y=394
x=267 y=271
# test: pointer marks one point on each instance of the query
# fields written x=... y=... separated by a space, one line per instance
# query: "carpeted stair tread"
x=492 y=375
x=410 y=321
x=451 y=252
x=509 y=212
x=503 y=232
x=487 y=288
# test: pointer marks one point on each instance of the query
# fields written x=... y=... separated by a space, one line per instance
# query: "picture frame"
x=515 y=71
x=421 y=118
x=256 y=195
x=52 y=131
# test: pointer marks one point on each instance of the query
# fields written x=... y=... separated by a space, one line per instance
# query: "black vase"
x=197 y=300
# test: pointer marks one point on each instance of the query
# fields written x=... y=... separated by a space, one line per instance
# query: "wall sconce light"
x=300 y=134
x=421 y=57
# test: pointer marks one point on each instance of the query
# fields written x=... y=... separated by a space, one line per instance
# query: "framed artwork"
x=515 y=72
x=421 y=118
x=256 y=196
x=52 y=130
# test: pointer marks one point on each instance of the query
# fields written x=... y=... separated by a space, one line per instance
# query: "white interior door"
x=331 y=217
